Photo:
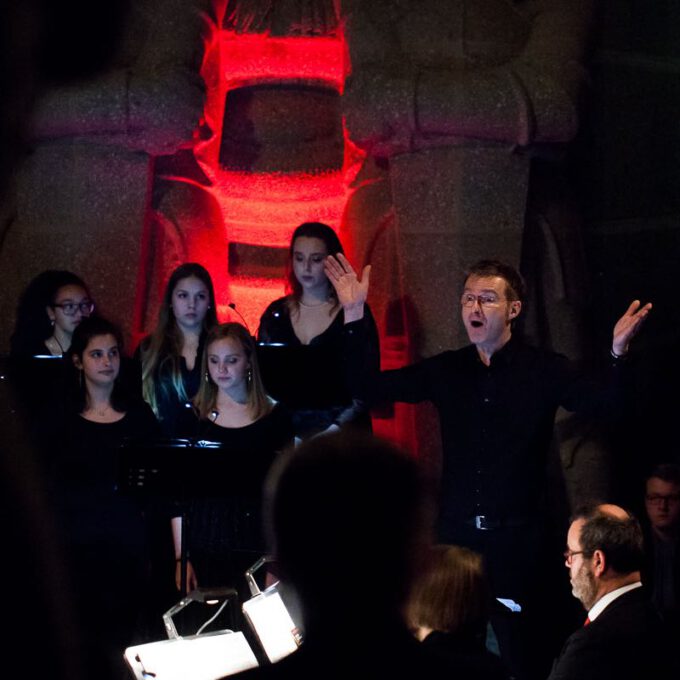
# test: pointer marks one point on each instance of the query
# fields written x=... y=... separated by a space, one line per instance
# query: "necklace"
x=101 y=412
x=319 y=304
x=54 y=337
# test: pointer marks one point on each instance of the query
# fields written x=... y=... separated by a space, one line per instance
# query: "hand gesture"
x=351 y=291
x=628 y=325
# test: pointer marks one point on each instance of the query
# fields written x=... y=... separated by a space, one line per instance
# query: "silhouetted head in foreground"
x=349 y=523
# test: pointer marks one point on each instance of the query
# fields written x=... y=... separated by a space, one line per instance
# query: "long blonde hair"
x=259 y=403
x=162 y=350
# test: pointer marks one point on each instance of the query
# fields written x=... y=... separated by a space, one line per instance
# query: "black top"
x=496 y=421
x=34 y=347
x=232 y=521
x=85 y=475
x=103 y=533
x=467 y=654
x=661 y=576
x=310 y=379
x=252 y=448
x=175 y=415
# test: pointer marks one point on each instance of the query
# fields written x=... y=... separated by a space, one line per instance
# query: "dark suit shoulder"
x=626 y=642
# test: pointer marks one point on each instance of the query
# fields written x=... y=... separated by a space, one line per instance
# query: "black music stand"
x=171 y=469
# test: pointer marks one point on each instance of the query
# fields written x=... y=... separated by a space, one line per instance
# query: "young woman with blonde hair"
x=235 y=412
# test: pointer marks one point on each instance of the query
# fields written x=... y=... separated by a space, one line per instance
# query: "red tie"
x=587 y=621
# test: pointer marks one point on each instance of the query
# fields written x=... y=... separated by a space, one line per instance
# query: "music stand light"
x=203 y=656
x=269 y=618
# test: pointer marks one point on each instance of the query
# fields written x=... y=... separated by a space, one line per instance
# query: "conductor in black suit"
x=622 y=637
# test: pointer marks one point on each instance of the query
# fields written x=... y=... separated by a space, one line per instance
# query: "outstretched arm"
x=351 y=290
x=627 y=327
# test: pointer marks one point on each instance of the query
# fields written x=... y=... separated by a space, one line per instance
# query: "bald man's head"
x=613 y=511
x=613 y=531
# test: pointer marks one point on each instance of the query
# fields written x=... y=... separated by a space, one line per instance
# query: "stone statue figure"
x=451 y=100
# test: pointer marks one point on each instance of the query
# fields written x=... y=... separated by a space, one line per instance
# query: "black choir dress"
x=309 y=379
x=103 y=532
x=224 y=536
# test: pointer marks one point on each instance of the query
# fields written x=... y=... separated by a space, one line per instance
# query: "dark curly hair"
x=87 y=329
x=32 y=323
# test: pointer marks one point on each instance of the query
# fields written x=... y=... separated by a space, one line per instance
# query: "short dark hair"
x=668 y=472
x=620 y=539
x=514 y=283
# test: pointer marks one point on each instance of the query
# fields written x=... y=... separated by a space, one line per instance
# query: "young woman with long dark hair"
x=311 y=316
x=171 y=355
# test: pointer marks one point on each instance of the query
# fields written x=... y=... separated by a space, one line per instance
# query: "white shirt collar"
x=607 y=599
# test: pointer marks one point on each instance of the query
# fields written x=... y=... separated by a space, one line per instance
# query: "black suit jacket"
x=627 y=641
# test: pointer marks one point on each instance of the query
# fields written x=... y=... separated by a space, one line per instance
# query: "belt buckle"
x=480 y=523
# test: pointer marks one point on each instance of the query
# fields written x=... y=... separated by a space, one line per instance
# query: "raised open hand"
x=628 y=325
x=351 y=290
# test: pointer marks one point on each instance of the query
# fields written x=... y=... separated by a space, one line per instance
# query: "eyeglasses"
x=69 y=308
x=569 y=554
x=485 y=300
x=657 y=498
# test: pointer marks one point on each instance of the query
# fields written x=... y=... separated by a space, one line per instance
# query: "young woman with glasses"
x=49 y=311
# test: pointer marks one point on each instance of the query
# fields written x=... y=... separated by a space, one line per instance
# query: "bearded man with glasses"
x=622 y=637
